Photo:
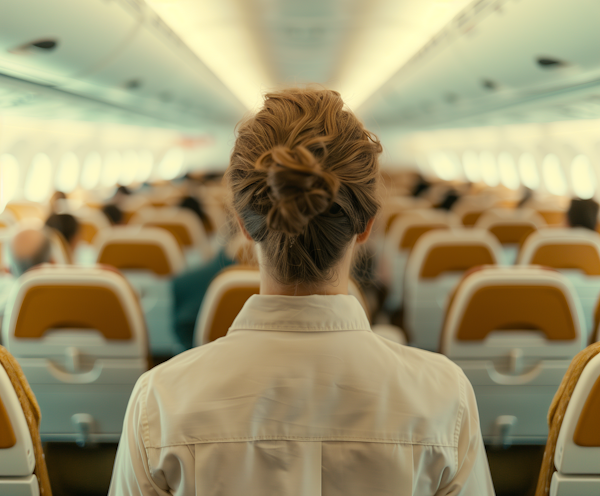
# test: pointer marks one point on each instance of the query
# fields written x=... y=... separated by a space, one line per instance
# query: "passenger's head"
x=57 y=201
x=304 y=175
x=28 y=248
x=194 y=205
x=583 y=213
x=67 y=225
x=113 y=214
x=123 y=190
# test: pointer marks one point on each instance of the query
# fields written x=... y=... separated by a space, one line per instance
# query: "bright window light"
x=112 y=169
x=583 y=177
x=129 y=167
x=528 y=171
x=508 y=171
x=470 y=162
x=554 y=177
x=39 y=178
x=489 y=169
x=92 y=166
x=9 y=178
x=68 y=172
x=145 y=163
x=443 y=166
x=172 y=164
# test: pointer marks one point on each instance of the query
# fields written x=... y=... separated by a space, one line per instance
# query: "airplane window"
x=443 y=165
x=553 y=175
x=111 y=169
x=129 y=168
x=508 y=171
x=9 y=178
x=172 y=164
x=39 y=178
x=489 y=169
x=471 y=165
x=90 y=175
x=68 y=173
x=145 y=163
x=583 y=177
x=528 y=170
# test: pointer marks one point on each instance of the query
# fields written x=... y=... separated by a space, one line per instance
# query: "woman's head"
x=304 y=177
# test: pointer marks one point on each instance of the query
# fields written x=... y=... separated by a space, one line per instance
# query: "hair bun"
x=298 y=188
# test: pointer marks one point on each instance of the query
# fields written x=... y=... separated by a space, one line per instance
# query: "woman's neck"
x=336 y=285
x=270 y=286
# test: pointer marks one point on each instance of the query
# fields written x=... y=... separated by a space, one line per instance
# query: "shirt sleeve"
x=131 y=473
x=472 y=477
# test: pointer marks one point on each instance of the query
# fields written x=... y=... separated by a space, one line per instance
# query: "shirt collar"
x=302 y=313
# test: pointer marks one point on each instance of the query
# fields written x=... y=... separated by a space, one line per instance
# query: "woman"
x=301 y=397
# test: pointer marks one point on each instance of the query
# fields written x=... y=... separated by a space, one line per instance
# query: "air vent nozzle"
x=39 y=46
x=550 y=63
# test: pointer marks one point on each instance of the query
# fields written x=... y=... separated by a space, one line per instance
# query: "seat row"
x=571 y=460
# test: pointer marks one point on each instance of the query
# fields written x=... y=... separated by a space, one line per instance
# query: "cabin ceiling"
x=353 y=46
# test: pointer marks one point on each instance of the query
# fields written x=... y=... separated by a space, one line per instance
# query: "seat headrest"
x=413 y=233
x=140 y=248
x=524 y=307
x=7 y=433
x=56 y=306
x=584 y=257
x=519 y=298
x=225 y=297
x=587 y=432
x=570 y=248
x=448 y=258
x=71 y=297
x=179 y=232
x=512 y=233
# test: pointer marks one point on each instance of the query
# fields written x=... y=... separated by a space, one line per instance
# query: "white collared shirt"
x=301 y=398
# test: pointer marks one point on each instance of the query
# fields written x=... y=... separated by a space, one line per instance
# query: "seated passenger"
x=27 y=249
x=57 y=201
x=113 y=214
x=450 y=198
x=195 y=206
x=301 y=397
x=583 y=213
x=189 y=289
x=67 y=225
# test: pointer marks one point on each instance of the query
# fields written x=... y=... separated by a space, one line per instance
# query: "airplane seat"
x=511 y=227
x=435 y=266
x=575 y=252
x=7 y=220
x=91 y=222
x=223 y=300
x=513 y=331
x=184 y=225
x=148 y=257
x=131 y=205
x=403 y=235
x=22 y=465
x=230 y=289
x=21 y=210
x=398 y=205
x=470 y=208
x=80 y=338
x=571 y=465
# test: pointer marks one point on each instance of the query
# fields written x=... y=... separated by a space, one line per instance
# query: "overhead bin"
x=50 y=41
x=116 y=53
x=156 y=72
x=496 y=54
